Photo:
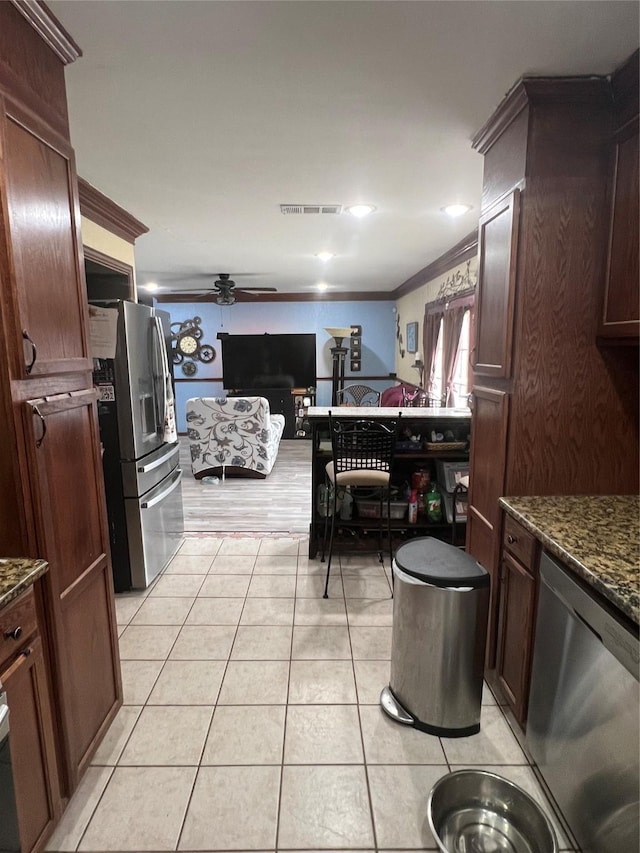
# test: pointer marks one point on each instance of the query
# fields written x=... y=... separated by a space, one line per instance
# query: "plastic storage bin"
x=440 y=610
x=449 y=473
x=371 y=509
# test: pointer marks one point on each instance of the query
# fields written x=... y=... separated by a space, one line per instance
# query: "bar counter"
x=416 y=448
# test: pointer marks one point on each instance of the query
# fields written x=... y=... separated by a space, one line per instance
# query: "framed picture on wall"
x=412 y=337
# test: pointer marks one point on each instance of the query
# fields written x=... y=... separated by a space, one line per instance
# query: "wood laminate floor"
x=281 y=503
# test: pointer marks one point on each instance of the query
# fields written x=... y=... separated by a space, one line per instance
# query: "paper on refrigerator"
x=103 y=331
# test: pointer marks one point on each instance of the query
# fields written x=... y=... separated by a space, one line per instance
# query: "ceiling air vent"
x=310 y=208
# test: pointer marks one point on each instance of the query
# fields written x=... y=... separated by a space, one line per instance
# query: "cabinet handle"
x=34 y=351
x=511 y=539
x=14 y=634
x=36 y=411
x=26 y=652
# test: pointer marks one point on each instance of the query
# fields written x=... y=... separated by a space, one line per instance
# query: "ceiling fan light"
x=225 y=299
x=360 y=210
x=456 y=209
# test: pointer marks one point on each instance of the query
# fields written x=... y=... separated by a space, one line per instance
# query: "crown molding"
x=100 y=209
x=49 y=28
x=347 y=296
x=114 y=264
x=539 y=90
x=464 y=250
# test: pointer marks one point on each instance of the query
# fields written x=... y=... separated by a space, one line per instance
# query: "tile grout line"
x=374 y=831
x=214 y=707
x=286 y=713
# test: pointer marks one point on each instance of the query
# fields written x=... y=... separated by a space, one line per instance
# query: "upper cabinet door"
x=42 y=262
x=621 y=314
x=498 y=249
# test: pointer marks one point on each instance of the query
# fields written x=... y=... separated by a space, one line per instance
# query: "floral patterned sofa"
x=237 y=433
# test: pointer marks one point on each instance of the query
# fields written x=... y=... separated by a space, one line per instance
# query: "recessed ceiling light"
x=360 y=210
x=456 y=209
x=151 y=286
x=322 y=286
x=325 y=256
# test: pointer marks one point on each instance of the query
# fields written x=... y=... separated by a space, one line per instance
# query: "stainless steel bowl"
x=474 y=811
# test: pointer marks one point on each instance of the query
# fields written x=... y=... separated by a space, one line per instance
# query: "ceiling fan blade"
x=202 y=276
x=256 y=289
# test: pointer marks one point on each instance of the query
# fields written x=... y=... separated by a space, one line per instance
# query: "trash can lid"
x=437 y=563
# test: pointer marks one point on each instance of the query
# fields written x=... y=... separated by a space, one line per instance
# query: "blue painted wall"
x=378 y=339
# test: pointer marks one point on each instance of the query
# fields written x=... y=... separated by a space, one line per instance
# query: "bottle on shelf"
x=434 y=503
x=413 y=507
x=347 y=505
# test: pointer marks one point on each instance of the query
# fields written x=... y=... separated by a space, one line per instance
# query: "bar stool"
x=362 y=456
x=358 y=395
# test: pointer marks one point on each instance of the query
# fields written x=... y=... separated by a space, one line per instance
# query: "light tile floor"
x=251 y=717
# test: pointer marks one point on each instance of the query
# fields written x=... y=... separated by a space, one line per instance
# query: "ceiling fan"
x=225 y=289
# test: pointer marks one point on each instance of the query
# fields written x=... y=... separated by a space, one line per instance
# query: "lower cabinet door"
x=32 y=747
x=77 y=590
x=487 y=463
x=515 y=634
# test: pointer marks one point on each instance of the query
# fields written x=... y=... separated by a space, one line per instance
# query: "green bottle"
x=434 y=503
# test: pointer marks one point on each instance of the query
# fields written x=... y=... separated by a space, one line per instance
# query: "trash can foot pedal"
x=394 y=709
x=397 y=712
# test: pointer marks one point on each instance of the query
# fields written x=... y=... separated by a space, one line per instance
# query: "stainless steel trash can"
x=440 y=610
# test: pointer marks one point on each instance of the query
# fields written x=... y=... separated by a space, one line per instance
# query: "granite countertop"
x=17 y=574
x=413 y=412
x=597 y=536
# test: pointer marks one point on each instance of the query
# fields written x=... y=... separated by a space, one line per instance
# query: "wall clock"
x=186 y=337
x=189 y=368
x=187 y=344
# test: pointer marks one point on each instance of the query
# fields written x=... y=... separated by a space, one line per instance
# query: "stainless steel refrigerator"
x=141 y=470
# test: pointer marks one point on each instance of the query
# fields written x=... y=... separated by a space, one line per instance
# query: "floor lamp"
x=338 y=353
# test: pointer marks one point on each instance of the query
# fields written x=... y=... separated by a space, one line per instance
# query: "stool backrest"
x=358 y=395
x=362 y=444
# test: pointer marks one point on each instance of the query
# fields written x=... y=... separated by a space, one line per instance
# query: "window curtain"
x=430 y=329
x=452 y=327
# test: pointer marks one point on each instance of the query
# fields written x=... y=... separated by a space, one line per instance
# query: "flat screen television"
x=268 y=361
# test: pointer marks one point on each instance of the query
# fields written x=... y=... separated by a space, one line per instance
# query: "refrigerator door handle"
x=144 y=469
x=164 y=369
x=158 y=498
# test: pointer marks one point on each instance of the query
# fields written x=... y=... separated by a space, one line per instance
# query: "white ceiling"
x=201 y=118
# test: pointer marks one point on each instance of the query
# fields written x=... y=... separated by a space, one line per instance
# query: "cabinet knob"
x=511 y=539
x=14 y=634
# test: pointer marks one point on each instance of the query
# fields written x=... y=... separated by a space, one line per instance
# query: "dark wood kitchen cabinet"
x=78 y=593
x=24 y=678
x=551 y=415
x=497 y=254
x=620 y=318
x=487 y=460
x=516 y=619
x=44 y=241
x=51 y=486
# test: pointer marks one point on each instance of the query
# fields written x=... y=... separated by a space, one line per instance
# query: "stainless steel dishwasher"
x=584 y=712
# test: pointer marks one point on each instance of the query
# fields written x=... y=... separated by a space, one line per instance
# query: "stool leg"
x=326 y=525
x=381 y=496
x=389 y=528
x=333 y=525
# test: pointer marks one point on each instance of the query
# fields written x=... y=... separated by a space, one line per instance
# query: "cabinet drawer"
x=17 y=624
x=519 y=542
